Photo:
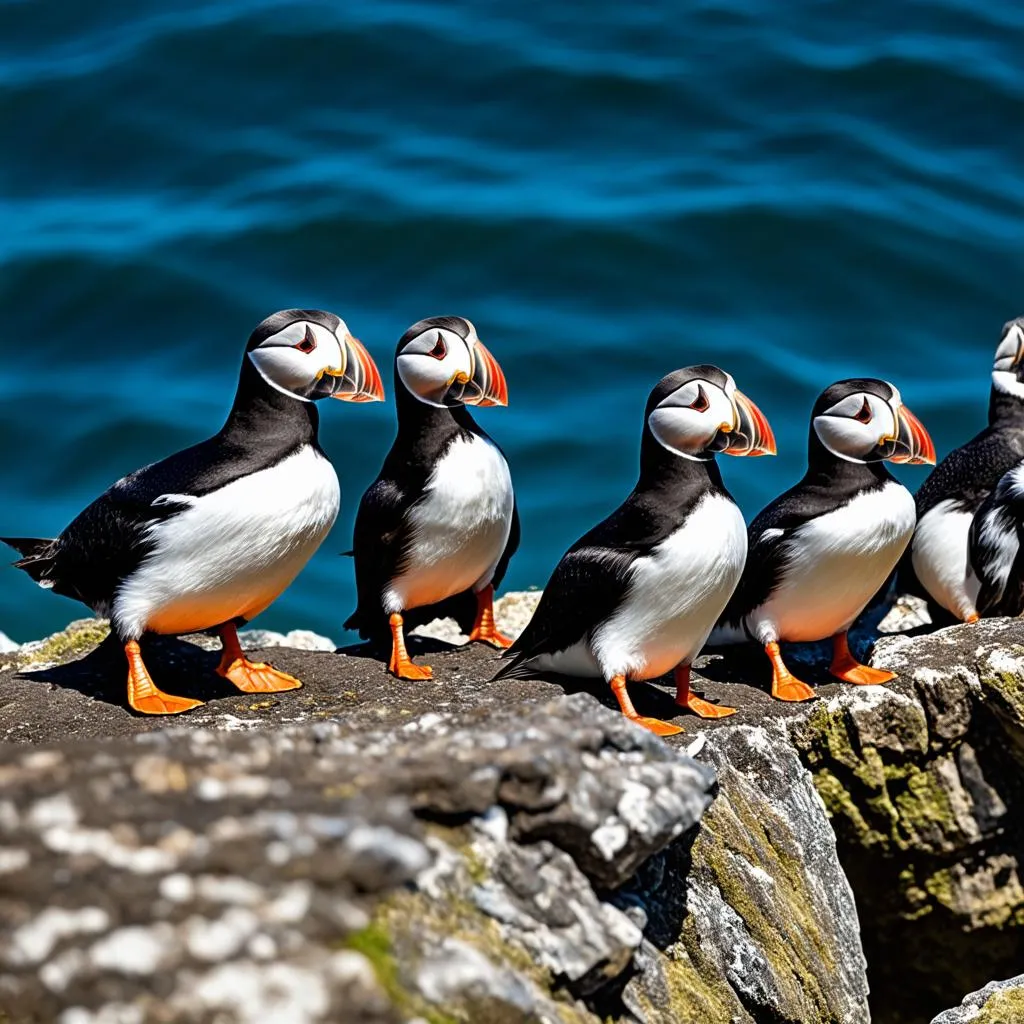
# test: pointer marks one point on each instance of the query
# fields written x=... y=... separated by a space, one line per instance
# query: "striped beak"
x=485 y=386
x=357 y=380
x=752 y=434
x=911 y=443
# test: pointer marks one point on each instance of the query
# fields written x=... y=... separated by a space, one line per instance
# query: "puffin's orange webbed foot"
x=846 y=667
x=785 y=686
x=401 y=664
x=250 y=676
x=257 y=677
x=700 y=707
x=655 y=725
x=972 y=618
x=143 y=694
x=484 y=628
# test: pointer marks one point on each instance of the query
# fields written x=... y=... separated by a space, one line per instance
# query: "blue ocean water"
x=796 y=192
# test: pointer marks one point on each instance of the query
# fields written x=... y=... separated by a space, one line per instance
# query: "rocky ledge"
x=368 y=850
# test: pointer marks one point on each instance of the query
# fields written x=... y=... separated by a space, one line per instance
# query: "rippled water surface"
x=797 y=192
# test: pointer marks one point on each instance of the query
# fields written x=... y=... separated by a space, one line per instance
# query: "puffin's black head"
x=698 y=412
x=1008 y=368
x=309 y=354
x=442 y=362
x=865 y=420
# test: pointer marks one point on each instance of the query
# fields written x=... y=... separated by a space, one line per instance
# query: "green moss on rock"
x=777 y=917
x=76 y=639
x=1005 y=1007
x=697 y=990
x=409 y=922
x=374 y=943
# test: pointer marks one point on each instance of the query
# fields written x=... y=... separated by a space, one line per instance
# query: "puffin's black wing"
x=996 y=550
x=380 y=542
x=968 y=474
x=584 y=590
x=768 y=546
x=105 y=542
x=511 y=547
x=767 y=553
x=99 y=549
x=590 y=581
x=965 y=477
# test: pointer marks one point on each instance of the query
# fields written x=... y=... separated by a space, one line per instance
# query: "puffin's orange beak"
x=487 y=384
x=913 y=445
x=752 y=434
x=359 y=380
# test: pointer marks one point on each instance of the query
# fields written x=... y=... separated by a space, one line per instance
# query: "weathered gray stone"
x=478 y=851
x=249 y=873
x=921 y=782
x=539 y=894
x=764 y=927
x=999 y=1002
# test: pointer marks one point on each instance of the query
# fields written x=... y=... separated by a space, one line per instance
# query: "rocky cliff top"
x=367 y=849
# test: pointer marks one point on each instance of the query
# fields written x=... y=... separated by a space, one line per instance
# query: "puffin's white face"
x=862 y=426
x=307 y=360
x=703 y=417
x=441 y=367
x=1008 y=367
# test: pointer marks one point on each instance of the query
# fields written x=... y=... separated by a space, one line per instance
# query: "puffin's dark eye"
x=308 y=342
x=440 y=350
x=864 y=413
x=700 y=403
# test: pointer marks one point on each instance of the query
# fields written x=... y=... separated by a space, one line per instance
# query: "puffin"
x=637 y=596
x=938 y=565
x=819 y=552
x=438 y=526
x=995 y=559
x=206 y=539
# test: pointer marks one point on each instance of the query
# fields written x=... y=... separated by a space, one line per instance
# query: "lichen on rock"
x=999 y=1002
x=921 y=780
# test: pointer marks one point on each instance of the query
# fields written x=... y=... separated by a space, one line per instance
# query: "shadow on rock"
x=177 y=667
x=417 y=646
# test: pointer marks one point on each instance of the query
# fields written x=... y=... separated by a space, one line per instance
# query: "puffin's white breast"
x=834 y=565
x=459 y=529
x=675 y=595
x=940 y=558
x=232 y=551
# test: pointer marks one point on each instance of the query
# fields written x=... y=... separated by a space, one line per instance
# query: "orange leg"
x=973 y=617
x=484 y=628
x=401 y=664
x=250 y=676
x=699 y=706
x=785 y=686
x=656 y=725
x=143 y=695
x=846 y=667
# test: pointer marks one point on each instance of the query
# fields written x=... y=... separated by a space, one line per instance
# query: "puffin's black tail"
x=516 y=666
x=36 y=552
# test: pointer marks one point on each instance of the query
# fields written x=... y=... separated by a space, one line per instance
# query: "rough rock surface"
x=924 y=781
x=473 y=851
x=999 y=1002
